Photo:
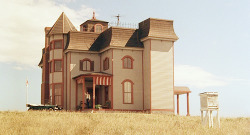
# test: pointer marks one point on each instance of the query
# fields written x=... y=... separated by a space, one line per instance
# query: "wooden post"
x=83 y=92
x=218 y=118
x=211 y=117
x=202 y=117
x=188 y=104
x=177 y=104
x=93 y=92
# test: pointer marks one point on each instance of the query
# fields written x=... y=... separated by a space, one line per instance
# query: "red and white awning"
x=103 y=81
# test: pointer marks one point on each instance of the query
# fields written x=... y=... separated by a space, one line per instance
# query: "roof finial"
x=93 y=15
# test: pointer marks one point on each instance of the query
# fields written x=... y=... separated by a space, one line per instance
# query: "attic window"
x=98 y=28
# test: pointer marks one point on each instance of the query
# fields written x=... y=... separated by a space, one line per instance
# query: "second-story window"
x=58 y=65
x=86 y=65
x=98 y=28
x=58 y=44
x=127 y=62
x=106 y=64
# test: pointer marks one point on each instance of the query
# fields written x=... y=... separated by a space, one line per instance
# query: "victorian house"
x=110 y=68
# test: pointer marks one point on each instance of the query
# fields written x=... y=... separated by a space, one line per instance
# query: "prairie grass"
x=42 y=122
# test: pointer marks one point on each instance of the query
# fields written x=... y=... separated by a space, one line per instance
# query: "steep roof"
x=118 y=37
x=80 y=40
x=62 y=25
x=157 y=28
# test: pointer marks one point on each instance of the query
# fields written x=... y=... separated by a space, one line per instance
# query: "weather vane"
x=118 y=19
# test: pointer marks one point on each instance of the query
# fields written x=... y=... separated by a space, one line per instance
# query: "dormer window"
x=98 y=28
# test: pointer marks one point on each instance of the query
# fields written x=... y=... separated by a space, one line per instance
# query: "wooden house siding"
x=147 y=73
x=135 y=75
x=162 y=74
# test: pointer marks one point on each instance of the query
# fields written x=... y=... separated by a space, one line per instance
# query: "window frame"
x=52 y=44
x=91 y=65
x=132 y=91
x=106 y=63
x=98 y=25
x=52 y=94
x=61 y=91
x=57 y=41
x=54 y=64
x=132 y=61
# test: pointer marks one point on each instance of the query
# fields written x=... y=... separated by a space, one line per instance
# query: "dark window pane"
x=58 y=44
x=58 y=65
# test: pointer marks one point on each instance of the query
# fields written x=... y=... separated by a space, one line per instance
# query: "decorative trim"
x=132 y=61
x=91 y=68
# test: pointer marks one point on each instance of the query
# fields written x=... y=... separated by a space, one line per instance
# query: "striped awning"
x=103 y=80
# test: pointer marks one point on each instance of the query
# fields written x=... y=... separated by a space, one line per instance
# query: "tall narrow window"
x=98 y=28
x=58 y=44
x=127 y=91
x=106 y=64
x=86 y=65
x=58 y=65
x=127 y=62
x=58 y=94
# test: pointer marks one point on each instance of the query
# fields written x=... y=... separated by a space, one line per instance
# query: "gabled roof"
x=62 y=25
x=81 y=40
x=117 y=37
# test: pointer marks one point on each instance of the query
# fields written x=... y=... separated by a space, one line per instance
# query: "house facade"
x=114 y=68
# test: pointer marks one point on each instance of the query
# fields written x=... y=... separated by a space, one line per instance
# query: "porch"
x=94 y=91
x=178 y=90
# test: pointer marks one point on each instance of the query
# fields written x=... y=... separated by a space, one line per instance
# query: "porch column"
x=177 y=104
x=188 y=104
x=93 y=92
x=83 y=92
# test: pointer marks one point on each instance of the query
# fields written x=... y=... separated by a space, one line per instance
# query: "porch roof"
x=92 y=74
x=181 y=90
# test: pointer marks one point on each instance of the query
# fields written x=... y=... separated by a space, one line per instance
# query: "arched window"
x=127 y=86
x=86 y=65
x=106 y=63
x=98 y=28
x=127 y=62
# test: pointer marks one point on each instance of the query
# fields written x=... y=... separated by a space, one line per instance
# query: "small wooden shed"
x=209 y=103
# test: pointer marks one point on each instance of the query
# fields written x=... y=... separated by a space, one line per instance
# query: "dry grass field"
x=42 y=122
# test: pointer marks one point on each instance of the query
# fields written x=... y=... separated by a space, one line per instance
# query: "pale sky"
x=212 y=53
